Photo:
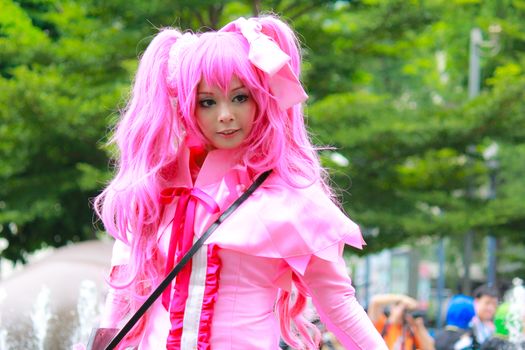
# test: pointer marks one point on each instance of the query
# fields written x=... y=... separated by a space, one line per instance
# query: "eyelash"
x=208 y=102
x=242 y=97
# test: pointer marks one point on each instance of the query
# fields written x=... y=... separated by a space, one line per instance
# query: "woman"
x=209 y=113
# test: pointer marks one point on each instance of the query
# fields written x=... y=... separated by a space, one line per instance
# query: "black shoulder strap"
x=167 y=280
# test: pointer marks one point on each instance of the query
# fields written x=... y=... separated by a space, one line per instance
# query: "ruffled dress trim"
x=210 y=296
x=190 y=312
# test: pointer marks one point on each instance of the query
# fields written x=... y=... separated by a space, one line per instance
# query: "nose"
x=226 y=114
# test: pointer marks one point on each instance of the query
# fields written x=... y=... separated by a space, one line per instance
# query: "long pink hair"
x=160 y=114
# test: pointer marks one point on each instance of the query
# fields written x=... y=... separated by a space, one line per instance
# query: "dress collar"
x=215 y=166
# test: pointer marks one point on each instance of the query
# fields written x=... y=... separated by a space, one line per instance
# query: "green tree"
x=388 y=89
x=65 y=69
x=401 y=115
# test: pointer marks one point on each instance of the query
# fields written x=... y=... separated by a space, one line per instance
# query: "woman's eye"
x=241 y=98
x=207 y=102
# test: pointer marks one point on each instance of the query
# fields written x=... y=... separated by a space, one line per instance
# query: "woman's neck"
x=197 y=157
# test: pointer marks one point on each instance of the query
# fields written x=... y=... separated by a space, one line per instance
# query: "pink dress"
x=278 y=231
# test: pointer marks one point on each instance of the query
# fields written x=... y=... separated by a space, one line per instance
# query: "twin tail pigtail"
x=149 y=124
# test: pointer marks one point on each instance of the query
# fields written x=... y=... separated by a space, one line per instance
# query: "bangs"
x=220 y=56
x=216 y=57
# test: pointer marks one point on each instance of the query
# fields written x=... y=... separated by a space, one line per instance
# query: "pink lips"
x=228 y=132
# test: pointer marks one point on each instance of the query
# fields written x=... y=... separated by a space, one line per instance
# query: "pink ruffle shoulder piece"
x=294 y=224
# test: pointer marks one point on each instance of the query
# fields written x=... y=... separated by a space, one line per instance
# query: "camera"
x=417 y=313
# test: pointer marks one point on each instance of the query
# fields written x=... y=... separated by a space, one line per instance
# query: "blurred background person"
x=400 y=323
x=457 y=335
x=485 y=304
x=502 y=327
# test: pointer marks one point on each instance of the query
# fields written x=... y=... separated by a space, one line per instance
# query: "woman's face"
x=225 y=119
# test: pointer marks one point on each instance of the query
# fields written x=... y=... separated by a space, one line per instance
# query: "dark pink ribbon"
x=182 y=233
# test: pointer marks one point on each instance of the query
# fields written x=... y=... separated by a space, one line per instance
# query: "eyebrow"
x=238 y=88
x=211 y=93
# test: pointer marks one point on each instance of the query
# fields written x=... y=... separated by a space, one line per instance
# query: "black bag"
x=100 y=337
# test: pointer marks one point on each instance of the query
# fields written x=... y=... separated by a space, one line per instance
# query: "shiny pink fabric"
x=180 y=243
x=333 y=296
x=244 y=317
x=277 y=232
x=247 y=292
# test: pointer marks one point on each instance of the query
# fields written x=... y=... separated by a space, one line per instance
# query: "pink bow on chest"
x=182 y=233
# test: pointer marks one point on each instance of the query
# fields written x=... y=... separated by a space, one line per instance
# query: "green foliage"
x=400 y=114
x=60 y=82
x=65 y=70
x=388 y=89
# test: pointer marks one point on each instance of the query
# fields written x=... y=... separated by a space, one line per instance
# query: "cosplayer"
x=208 y=113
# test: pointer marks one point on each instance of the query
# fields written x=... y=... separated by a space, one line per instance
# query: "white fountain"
x=41 y=316
x=516 y=315
x=88 y=310
x=54 y=302
x=3 y=331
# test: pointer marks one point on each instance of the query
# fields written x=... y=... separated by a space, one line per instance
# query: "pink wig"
x=160 y=114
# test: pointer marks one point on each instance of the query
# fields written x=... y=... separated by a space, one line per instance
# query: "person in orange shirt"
x=391 y=315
